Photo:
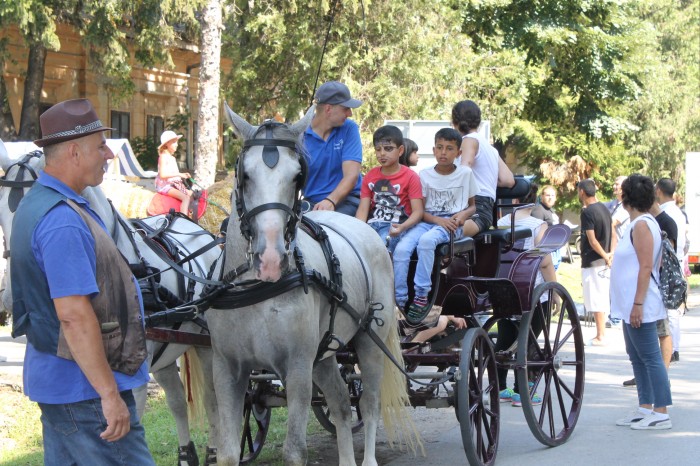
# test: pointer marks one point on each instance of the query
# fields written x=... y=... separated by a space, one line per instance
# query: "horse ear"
x=242 y=128
x=4 y=157
x=301 y=125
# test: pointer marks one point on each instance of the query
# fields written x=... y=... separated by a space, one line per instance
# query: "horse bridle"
x=270 y=157
x=18 y=184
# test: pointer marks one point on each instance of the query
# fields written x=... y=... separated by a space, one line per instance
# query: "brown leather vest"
x=116 y=305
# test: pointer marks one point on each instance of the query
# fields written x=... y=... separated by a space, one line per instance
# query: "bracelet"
x=639 y=304
x=329 y=200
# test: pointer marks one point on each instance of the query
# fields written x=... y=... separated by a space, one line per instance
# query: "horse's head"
x=19 y=176
x=270 y=174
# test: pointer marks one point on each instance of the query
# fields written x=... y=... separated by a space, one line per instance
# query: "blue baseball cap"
x=336 y=93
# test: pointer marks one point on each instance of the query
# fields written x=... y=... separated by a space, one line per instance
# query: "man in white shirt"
x=665 y=188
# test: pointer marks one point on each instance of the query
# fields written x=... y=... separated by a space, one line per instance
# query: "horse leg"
x=327 y=377
x=371 y=361
x=206 y=359
x=297 y=384
x=140 y=396
x=169 y=378
x=231 y=388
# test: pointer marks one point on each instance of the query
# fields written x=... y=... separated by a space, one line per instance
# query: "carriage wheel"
x=478 y=408
x=256 y=422
x=323 y=414
x=554 y=362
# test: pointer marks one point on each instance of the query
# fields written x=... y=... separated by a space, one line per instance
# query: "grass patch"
x=21 y=439
x=20 y=429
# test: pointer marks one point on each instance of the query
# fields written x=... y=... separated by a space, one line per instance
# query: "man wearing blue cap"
x=335 y=151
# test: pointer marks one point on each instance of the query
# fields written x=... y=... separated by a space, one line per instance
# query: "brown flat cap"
x=71 y=119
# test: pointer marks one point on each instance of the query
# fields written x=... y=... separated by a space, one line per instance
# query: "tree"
x=209 y=81
x=586 y=60
x=110 y=31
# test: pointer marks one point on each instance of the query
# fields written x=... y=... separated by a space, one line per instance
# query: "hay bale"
x=219 y=193
x=129 y=199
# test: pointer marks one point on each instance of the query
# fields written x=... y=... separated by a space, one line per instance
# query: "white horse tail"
x=192 y=377
x=398 y=422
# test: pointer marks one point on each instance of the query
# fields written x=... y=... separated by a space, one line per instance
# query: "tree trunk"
x=209 y=78
x=29 y=129
x=7 y=124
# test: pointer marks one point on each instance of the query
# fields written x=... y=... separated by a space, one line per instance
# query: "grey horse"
x=282 y=334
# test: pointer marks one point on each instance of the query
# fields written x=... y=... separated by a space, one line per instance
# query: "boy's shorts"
x=484 y=212
x=663 y=328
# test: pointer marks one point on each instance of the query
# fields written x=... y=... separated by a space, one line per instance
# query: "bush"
x=146 y=152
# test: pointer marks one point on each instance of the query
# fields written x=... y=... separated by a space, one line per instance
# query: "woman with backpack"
x=636 y=258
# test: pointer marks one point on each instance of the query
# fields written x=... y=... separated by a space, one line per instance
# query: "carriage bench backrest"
x=492 y=243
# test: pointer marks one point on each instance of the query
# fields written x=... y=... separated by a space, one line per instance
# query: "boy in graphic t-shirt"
x=448 y=192
x=391 y=200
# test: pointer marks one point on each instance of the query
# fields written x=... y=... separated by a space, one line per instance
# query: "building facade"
x=159 y=93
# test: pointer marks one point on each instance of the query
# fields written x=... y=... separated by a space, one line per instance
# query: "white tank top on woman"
x=623 y=276
x=485 y=166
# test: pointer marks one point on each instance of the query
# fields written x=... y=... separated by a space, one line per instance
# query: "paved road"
x=595 y=441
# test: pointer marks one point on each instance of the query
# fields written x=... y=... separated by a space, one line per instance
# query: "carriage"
x=489 y=281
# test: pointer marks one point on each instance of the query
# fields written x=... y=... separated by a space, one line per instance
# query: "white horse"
x=189 y=238
x=282 y=333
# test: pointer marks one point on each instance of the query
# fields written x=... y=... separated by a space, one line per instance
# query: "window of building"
x=154 y=127
x=121 y=122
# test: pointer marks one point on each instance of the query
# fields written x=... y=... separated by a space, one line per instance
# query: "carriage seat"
x=503 y=235
x=504 y=200
x=459 y=247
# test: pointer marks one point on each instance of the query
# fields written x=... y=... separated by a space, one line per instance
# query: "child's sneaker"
x=535 y=400
x=653 y=421
x=418 y=310
x=635 y=416
x=506 y=395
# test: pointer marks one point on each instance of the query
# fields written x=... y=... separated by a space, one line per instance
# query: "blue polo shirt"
x=65 y=251
x=326 y=159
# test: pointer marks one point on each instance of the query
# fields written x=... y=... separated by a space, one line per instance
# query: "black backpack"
x=671 y=282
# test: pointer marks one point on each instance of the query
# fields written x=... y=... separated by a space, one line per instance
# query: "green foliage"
x=146 y=151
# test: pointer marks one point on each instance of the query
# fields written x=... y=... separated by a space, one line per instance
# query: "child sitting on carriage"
x=391 y=201
x=448 y=192
x=169 y=180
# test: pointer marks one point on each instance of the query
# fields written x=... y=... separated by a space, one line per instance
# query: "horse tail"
x=192 y=377
x=398 y=422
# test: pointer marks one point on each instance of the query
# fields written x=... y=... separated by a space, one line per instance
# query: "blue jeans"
x=425 y=237
x=382 y=229
x=642 y=346
x=71 y=436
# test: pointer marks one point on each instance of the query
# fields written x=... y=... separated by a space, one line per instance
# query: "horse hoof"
x=187 y=455
x=210 y=457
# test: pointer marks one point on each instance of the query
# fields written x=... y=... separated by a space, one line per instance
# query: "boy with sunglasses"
x=391 y=200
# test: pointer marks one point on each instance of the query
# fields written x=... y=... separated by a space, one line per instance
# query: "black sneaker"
x=629 y=383
x=675 y=357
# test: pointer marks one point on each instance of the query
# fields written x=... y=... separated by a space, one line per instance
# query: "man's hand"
x=324 y=205
x=118 y=419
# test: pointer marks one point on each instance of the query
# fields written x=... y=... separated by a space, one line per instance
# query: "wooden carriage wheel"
x=477 y=406
x=554 y=362
x=323 y=414
x=256 y=422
